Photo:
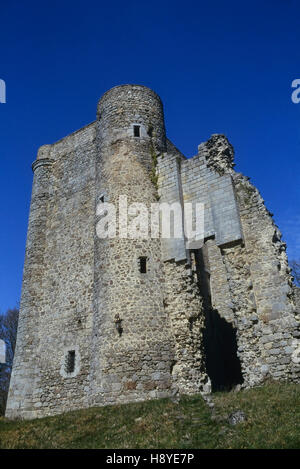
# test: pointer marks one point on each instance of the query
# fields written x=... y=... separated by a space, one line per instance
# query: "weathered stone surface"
x=223 y=314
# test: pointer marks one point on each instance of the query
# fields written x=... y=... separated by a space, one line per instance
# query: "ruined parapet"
x=219 y=153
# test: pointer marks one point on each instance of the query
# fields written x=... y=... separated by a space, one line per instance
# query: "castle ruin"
x=115 y=320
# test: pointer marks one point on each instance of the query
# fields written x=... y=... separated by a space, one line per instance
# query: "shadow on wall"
x=220 y=345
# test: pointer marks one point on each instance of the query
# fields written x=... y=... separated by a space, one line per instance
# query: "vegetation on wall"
x=154 y=156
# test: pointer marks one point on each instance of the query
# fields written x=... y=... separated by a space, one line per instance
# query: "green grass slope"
x=273 y=421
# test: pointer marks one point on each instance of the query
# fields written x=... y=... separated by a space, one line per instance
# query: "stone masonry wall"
x=217 y=313
x=57 y=299
x=276 y=328
x=183 y=305
x=134 y=363
x=252 y=289
x=23 y=395
x=250 y=283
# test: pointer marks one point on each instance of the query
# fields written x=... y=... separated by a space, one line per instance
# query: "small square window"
x=136 y=131
x=143 y=265
x=70 y=361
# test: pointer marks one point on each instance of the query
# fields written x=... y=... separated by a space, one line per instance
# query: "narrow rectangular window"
x=102 y=198
x=136 y=130
x=143 y=265
x=70 y=361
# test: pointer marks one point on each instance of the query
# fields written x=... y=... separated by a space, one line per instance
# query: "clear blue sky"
x=219 y=67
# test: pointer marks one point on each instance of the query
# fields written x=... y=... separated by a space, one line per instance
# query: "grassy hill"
x=273 y=421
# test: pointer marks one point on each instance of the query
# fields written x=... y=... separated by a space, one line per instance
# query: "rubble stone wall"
x=96 y=329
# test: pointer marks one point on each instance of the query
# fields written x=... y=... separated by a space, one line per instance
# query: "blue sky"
x=219 y=67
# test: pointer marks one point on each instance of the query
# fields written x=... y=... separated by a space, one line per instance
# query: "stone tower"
x=120 y=319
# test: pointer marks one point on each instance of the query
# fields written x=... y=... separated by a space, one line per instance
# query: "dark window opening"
x=102 y=198
x=70 y=361
x=136 y=130
x=143 y=265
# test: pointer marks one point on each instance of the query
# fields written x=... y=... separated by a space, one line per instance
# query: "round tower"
x=133 y=113
x=132 y=348
x=23 y=392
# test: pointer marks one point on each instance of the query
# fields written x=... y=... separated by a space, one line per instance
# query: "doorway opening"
x=220 y=337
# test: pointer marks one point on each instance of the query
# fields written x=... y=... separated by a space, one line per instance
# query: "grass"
x=273 y=421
